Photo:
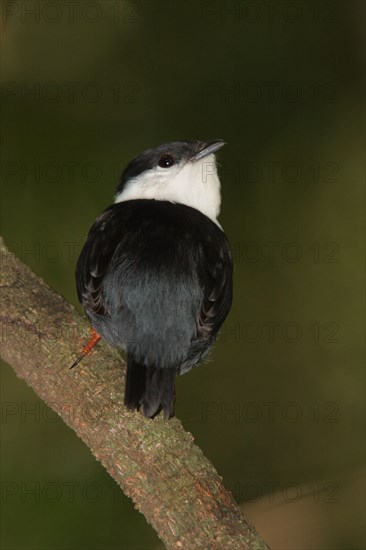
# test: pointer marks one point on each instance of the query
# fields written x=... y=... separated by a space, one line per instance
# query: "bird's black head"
x=166 y=156
x=182 y=172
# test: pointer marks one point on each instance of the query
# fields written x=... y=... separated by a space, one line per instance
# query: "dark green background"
x=281 y=83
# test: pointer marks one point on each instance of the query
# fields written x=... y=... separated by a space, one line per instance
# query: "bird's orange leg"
x=94 y=339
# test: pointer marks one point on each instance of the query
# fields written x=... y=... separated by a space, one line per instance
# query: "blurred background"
x=278 y=409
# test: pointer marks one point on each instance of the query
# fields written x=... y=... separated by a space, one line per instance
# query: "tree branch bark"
x=155 y=462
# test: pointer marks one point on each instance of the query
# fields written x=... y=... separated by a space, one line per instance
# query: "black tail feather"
x=135 y=384
x=150 y=387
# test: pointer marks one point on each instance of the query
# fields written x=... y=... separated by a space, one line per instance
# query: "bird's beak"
x=207 y=148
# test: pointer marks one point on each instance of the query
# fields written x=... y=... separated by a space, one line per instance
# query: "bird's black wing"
x=216 y=281
x=95 y=259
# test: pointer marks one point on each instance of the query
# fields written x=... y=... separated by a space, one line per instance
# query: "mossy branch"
x=155 y=462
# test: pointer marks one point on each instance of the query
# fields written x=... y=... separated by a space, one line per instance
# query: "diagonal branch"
x=155 y=462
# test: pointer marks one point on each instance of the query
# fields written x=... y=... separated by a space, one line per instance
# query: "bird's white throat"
x=194 y=184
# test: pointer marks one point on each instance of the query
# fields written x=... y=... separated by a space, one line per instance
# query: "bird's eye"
x=166 y=161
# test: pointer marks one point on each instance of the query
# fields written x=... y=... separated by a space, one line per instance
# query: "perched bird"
x=155 y=273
